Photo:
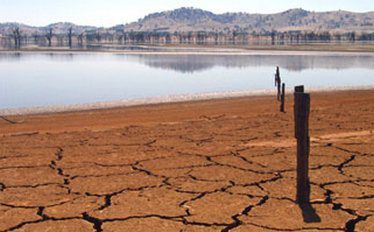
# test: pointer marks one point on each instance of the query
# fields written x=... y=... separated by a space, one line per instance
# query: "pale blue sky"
x=112 y=12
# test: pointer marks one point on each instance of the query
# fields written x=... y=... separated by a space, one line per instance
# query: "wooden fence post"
x=301 y=113
x=299 y=89
x=283 y=96
x=278 y=83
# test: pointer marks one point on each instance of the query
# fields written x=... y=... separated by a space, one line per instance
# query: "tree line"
x=97 y=37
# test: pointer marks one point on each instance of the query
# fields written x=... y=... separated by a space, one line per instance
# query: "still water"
x=42 y=79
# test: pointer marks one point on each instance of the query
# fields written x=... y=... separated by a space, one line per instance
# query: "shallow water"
x=42 y=79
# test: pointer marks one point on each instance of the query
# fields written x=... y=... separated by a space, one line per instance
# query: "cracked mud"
x=222 y=165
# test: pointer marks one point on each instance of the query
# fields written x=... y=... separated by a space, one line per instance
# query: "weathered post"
x=299 y=89
x=278 y=82
x=283 y=96
x=301 y=113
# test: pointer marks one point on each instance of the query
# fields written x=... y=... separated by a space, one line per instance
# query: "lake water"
x=42 y=79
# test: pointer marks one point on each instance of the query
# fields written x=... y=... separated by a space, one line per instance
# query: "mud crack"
x=97 y=224
x=237 y=222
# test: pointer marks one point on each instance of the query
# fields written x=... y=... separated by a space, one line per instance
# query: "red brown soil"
x=220 y=165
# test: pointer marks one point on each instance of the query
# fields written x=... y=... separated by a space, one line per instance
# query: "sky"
x=112 y=12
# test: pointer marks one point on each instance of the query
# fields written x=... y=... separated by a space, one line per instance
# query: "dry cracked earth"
x=230 y=168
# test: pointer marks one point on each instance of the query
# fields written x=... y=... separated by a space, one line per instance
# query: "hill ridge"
x=189 y=19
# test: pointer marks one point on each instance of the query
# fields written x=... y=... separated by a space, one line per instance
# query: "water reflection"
x=49 y=79
x=18 y=56
x=199 y=63
x=297 y=63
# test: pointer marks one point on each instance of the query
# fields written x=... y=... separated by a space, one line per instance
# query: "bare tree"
x=120 y=38
x=36 y=37
x=49 y=37
x=70 y=34
x=98 y=36
x=17 y=38
x=80 y=39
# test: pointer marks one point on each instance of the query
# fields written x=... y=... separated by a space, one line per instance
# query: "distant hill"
x=191 y=19
x=58 y=28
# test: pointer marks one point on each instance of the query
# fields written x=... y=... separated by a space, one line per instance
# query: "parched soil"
x=220 y=165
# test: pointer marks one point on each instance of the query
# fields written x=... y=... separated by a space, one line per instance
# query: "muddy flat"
x=217 y=165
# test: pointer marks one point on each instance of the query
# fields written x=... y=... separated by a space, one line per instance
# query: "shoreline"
x=206 y=49
x=165 y=100
x=217 y=52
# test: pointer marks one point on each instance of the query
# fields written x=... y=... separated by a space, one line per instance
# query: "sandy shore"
x=213 y=165
x=164 y=100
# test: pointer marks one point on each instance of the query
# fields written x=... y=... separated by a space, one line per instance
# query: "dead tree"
x=15 y=32
x=70 y=35
x=80 y=39
x=98 y=37
x=17 y=38
x=120 y=38
x=49 y=37
x=36 y=38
